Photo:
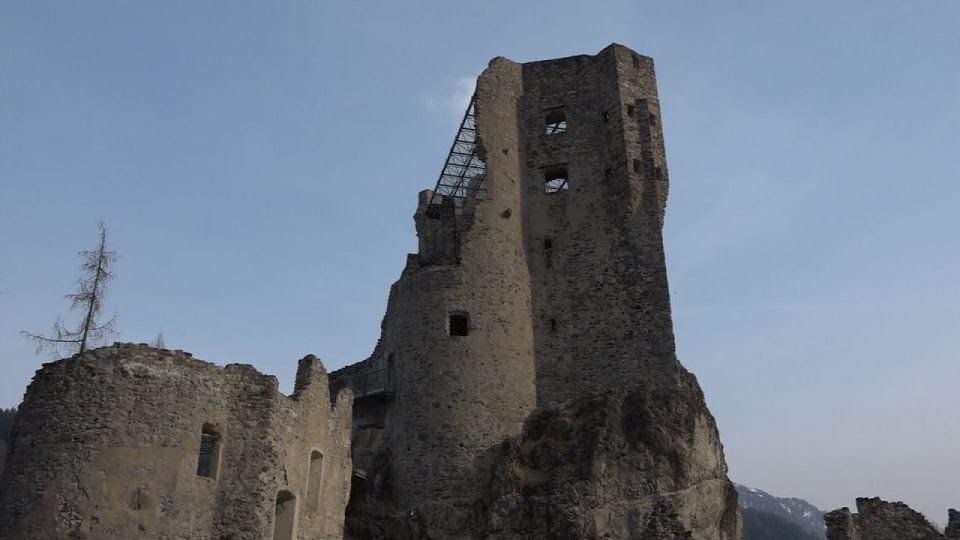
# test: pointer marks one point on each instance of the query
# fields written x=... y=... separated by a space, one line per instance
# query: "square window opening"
x=459 y=324
x=556 y=122
x=555 y=179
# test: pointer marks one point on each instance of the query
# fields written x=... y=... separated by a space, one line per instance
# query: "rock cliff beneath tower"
x=644 y=462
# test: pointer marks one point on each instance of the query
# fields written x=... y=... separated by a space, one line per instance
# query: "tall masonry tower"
x=540 y=284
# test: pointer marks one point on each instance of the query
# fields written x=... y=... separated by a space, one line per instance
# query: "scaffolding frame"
x=464 y=174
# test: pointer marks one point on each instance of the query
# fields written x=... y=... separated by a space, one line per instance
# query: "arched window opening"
x=314 y=479
x=208 y=458
x=285 y=520
x=556 y=121
x=459 y=324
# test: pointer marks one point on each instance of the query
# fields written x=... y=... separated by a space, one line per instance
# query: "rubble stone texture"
x=564 y=413
x=106 y=445
x=881 y=520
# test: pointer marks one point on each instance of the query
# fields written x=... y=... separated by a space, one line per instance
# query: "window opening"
x=556 y=121
x=608 y=172
x=555 y=179
x=459 y=324
x=547 y=243
x=314 y=478
x=208 y=458
x=553 y=325
x=637 y=166
x=286 y=516
x=653 y=120
x=636 y=61
x=631 y=111
x=606 y=116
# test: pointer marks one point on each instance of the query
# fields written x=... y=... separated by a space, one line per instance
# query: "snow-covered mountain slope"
x=797 y=511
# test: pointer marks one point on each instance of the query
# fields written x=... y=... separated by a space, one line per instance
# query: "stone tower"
x=538 y=299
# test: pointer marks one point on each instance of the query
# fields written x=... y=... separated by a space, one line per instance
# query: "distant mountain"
x=766 y=517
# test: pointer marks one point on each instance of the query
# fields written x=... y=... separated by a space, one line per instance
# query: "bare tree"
x=158 y=342
x=88 y=300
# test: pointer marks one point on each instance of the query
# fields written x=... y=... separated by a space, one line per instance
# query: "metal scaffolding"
x=464 y=174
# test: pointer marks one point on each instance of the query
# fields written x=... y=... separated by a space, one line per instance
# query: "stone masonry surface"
x=106 y=445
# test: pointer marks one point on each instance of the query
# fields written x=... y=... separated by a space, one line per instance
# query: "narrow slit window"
x=314 y=479
x=285 y=519
x=553 y=325
x=548 y=243
x=631 y=111
x=459 y=324
x=208 y=458
x=555 y=179
x=556 y=122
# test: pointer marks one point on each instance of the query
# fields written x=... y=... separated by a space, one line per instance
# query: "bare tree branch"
x=91 y=287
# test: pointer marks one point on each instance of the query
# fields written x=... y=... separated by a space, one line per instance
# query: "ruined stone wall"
x=106 y=445
x=877 y=519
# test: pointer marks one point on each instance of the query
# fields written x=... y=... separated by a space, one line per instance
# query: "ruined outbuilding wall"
x=106 y=445
x=877 y=519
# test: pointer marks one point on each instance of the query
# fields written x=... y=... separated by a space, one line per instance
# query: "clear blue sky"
x=257 y=164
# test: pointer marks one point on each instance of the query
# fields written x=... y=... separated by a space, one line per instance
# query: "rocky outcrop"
x=877 y=519
x=616 y=465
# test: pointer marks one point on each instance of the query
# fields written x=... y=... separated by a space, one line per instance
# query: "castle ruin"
x=527 y=355
x=525 y=384
x=130 y=441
